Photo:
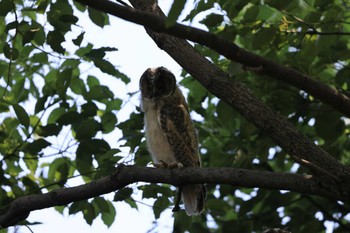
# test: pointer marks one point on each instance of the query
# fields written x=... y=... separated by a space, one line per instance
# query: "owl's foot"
x=171 y=165
x=161 y=164
x=175 y=164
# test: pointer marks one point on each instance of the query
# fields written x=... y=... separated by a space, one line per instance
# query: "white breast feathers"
x=157 y=142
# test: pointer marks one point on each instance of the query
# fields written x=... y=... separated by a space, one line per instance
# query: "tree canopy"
x=268 y=86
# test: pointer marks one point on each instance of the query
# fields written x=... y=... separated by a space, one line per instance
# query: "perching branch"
x=230 y=50
x=125 y=175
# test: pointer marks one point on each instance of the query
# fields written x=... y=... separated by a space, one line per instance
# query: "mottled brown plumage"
x=171 y=136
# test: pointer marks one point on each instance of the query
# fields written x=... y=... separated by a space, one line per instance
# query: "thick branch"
x=230 y=50
x=126 y=175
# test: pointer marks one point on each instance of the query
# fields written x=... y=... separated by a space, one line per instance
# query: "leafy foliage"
x=47 y=97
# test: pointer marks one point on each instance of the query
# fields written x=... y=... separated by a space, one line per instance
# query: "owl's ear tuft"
x=146 y=84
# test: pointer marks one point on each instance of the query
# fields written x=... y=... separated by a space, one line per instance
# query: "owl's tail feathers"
x=193 y=197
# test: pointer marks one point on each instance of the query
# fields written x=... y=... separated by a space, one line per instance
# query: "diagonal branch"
x=125 y=175
x=230 y=50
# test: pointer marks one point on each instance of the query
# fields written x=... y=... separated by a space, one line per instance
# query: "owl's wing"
x=176 y=124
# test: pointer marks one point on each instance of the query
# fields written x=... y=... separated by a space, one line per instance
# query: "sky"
x=136 y=52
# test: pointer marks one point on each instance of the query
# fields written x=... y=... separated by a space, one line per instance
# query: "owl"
x=170 y=133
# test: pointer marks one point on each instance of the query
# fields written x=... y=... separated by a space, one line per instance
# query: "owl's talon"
x=175 y=164
x=172 y=165
x=161 y=164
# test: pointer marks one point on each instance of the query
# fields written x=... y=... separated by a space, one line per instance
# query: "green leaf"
x=108 y=122
x=89 y=109
x=175 y=11
x=69 y=117
x=10 y=52
x=123 y=194
x=217 y=206
x=40 y=36
x=160 y=205
x=78 y=206
x=72 y=64
x=86 y=129
x=99 y=53
x=99 y=93
x=58 y=170
x=109 y=216
x=94 y=146
x=40 y=58
x=149 y=191
x=77 y=86
x=101 y=203
x=18 y=89
x=251 y=14
x=49 y=130
x=227 y=116
x=55 y=115
x=6 y=6
x=122 y=76
x=113 y=105
x=40 y=104
x=30 y=184
x=92 y=81
x=83 y=160
x=63 y=81
x=106 y=67
x=99 y=18
x=42 y=6
x=263 y=38
x=55 y=40
x=197 y=91
x=61 y=16
x=37 y=146
x=77 y=41
x=32 y=164
x=21 y=114
x=213 y=20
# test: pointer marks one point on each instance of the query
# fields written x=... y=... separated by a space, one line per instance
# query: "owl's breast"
x=157 y=141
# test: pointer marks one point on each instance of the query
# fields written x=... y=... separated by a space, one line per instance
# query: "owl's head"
x=157 y=83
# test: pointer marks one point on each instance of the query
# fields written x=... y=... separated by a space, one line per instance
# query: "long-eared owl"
x=170 y=134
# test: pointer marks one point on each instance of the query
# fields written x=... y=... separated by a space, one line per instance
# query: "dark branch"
x=126 y=175
x=230 y=50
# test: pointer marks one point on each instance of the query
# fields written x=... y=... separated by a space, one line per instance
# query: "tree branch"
x=126 y=175
x=230 y=50
x=233 y=93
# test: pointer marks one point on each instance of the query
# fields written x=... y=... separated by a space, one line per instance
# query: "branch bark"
x=230 y=50
x=126 y=175
x=230 y=91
